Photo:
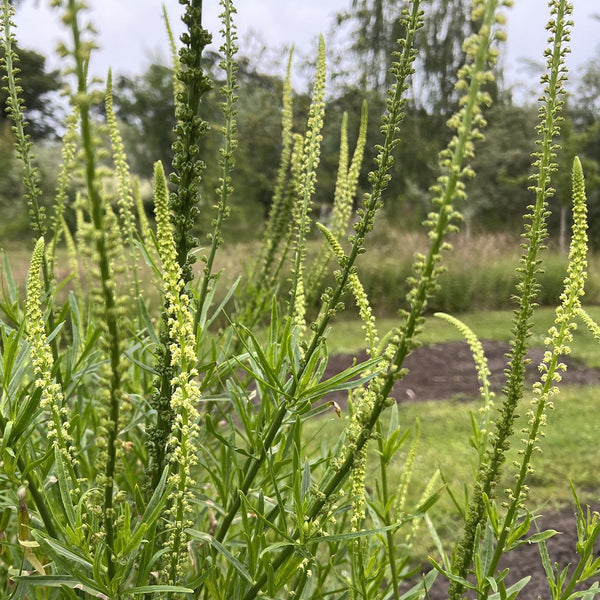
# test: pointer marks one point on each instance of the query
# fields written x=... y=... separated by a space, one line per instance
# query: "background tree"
x=38 y=85
x=376 y=27
x=145 y=105
x=499 y=194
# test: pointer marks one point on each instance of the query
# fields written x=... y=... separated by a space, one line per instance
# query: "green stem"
x=528 y=291
x=106 y=282
x=393 y=120
x=574 y=579
x=386 y=515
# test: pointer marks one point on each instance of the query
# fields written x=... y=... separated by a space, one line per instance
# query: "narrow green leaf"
x=64 y=554
x=305 y=480
x=514 y=539
x=536 y=538
x=222 y=304
x=63 y=486
x=232 y=560
x=437 y=541
x=513 y=591
x=492 y=513
x=147 y=321
x=135 y=540
x=156 y=502
x=463 y=582
x=416 y=592
x=10 y=280
x=261 y=517
x=57 y=581
x=546 y=563
x=342 y=381
x=139 y=500
x=158 y=589
x=98 y=568
x=5 y=436
x=487 y=550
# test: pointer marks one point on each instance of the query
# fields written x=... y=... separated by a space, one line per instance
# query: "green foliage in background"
x=167 y=449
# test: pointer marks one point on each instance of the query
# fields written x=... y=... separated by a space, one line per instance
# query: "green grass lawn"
x=570 y=450
x=487 y=325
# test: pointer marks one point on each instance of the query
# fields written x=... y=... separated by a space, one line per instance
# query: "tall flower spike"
x=395 y=112
x=187 y=165
x=51 y=399
x=178 y=88
x=227 y=150
x=279 y=214
x=481 y=434
x=68 y=155
x=345 y=190
x=159 y=432
x=558 y=341
x=311 y=152
x=560 y=334
x=124 y=189
x=321 y=262
x=593 y=327
x=184 y=208
x=185 y=389
x=15 y=109
x=535 y=232
x=31 y=176
x=108 y=316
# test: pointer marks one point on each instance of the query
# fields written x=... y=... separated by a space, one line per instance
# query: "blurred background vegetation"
x=497 y=196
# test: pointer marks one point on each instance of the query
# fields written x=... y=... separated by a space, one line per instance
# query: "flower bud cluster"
x=52 y=398
x=185 y=390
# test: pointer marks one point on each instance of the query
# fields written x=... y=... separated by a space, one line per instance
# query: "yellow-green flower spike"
x=185 y=391
x=305 y=188
x=124 y=189
x=51 y=399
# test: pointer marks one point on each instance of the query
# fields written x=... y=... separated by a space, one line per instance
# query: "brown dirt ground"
x=443 y=371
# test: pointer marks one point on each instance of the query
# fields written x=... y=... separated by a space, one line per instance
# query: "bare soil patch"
x=444 y=371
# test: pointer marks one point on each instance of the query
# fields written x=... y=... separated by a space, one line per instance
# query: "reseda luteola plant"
x=152 y=457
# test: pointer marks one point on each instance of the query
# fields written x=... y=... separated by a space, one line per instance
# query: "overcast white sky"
x=131 y=33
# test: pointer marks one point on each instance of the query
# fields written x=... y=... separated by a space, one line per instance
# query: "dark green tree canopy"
x=377 y=28
x=38 y=86
x=145 y=104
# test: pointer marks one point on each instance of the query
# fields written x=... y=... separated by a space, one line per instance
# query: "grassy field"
x=480 y=273
x=570 y=450
x=487 y=325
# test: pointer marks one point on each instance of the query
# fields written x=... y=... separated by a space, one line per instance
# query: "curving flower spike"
x=483 y=374
x=51 y=398
x=15 y=108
